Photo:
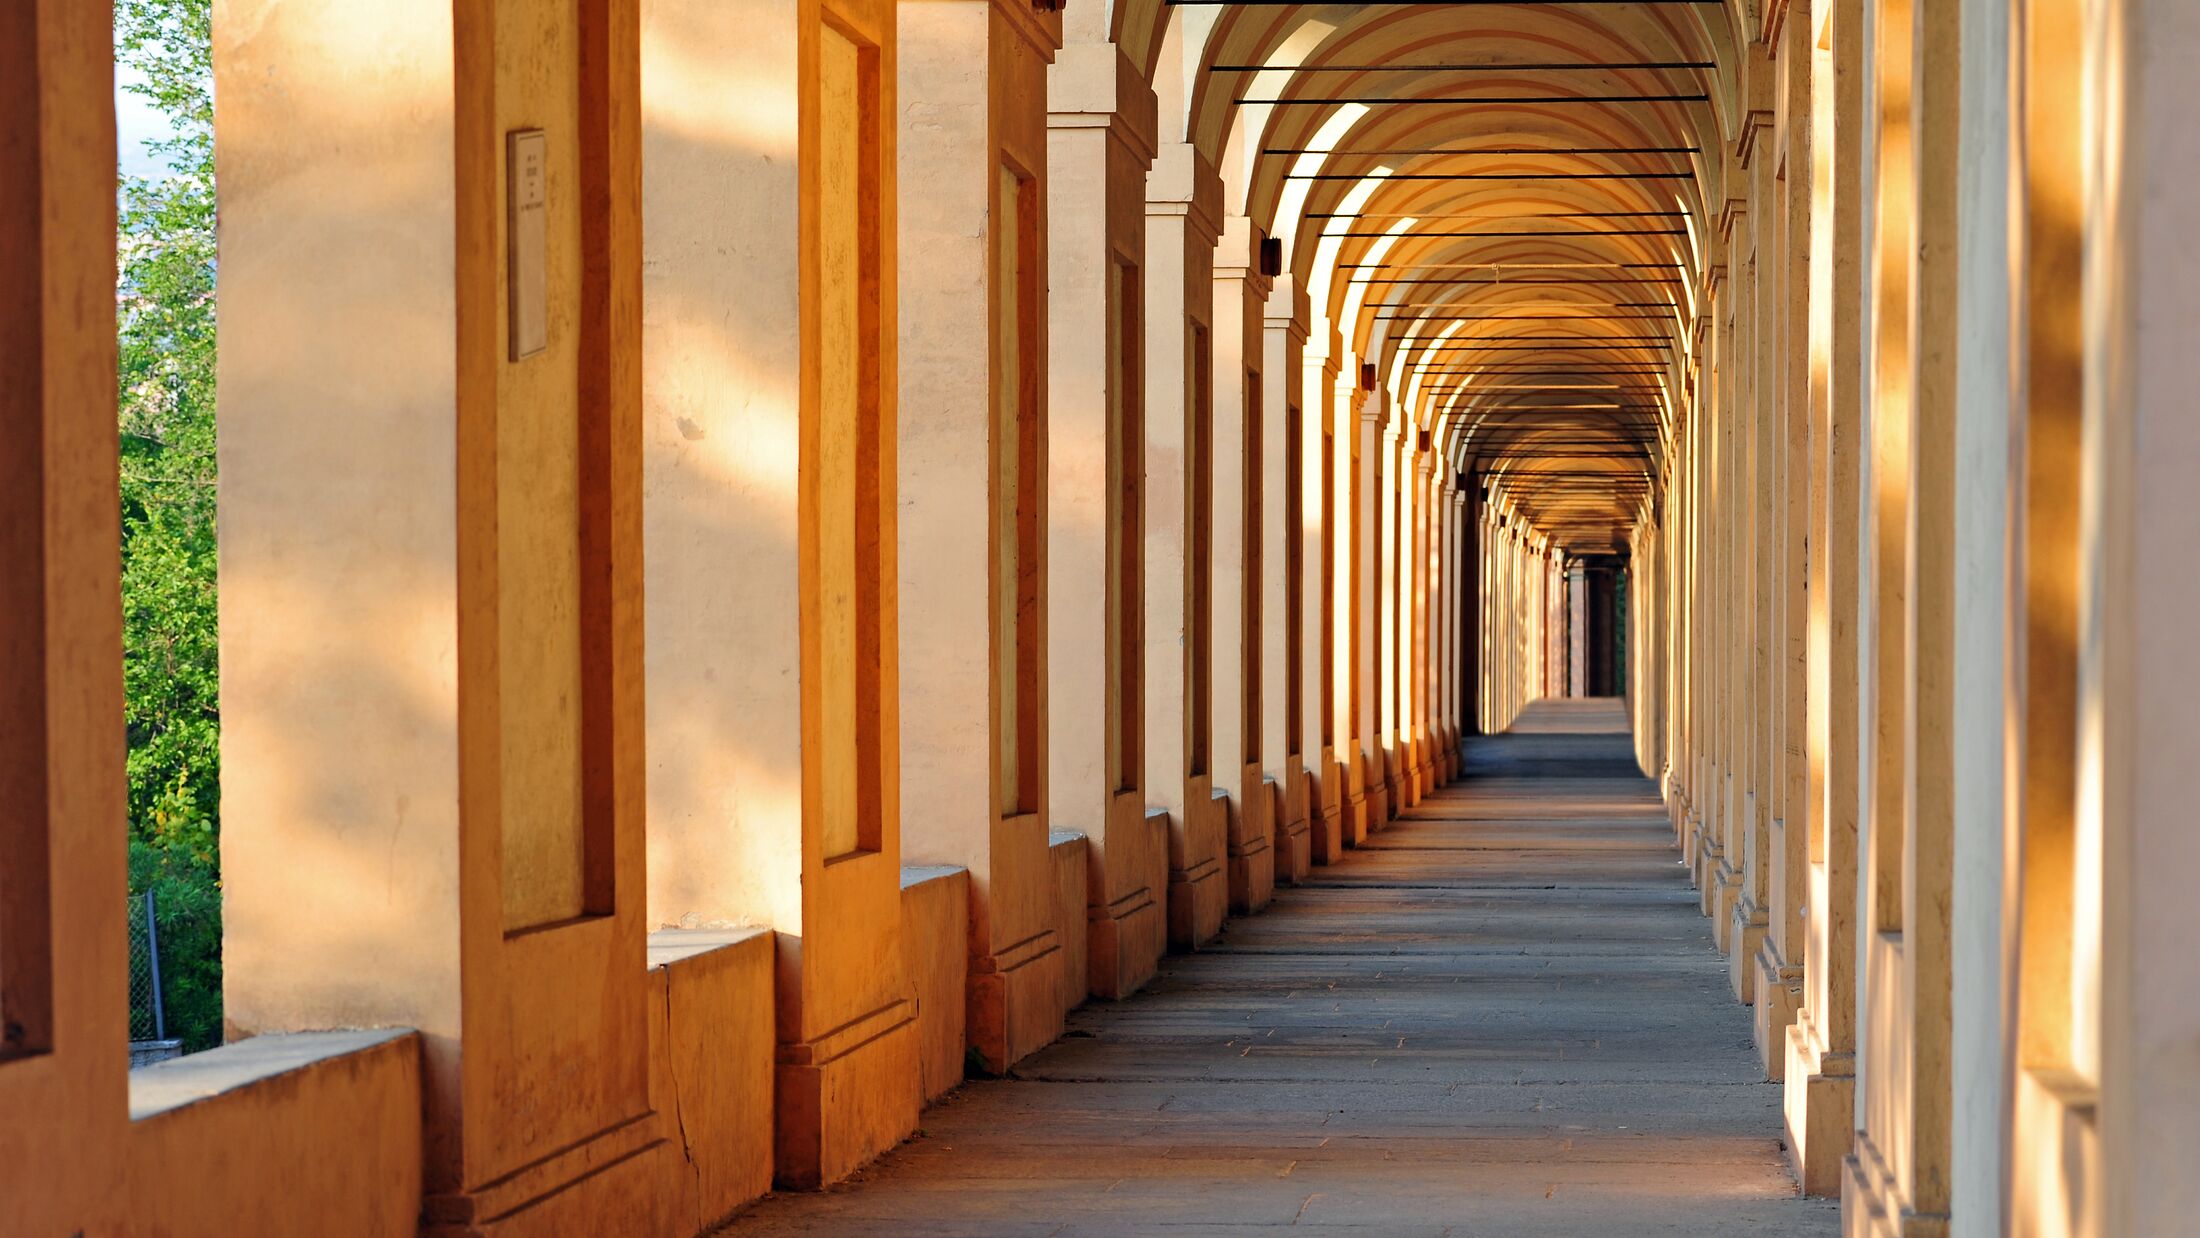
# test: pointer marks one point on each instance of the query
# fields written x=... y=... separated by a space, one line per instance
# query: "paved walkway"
x=1502 y=1017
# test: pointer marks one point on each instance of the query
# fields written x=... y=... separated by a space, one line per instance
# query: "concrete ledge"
x=199 y=1077
x=280 y=1134
x=711 y=1046
x=935 y=915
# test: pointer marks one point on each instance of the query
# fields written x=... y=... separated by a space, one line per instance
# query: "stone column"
x=1415 y=619
x=1443 y=623
x=1235 y=566
x=1348 y=525
x=1290 y=635
x=972 y=442
x=1326 y=721
x=1758 y=427
x=431 y=537
x=1100 y=143
x=1473 y=615
x=64 y=1017
x=1820 y=1075
x=1183 y=220
x=768 y=433
x=1779 y=957
x=1577 y=631
x=1367 y=580
x=1392 y=483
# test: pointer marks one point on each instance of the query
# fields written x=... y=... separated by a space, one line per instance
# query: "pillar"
x=1100 y=143
x=1757 y=254
x=1779 y=980
x=1393 y=480
x=1348 y=525
x=1235 y=565
x=768 y=383
x=1183 y=220
x=1289 y=692
x=432 y=644
x=1327 y=726
x=1577 y=631
x=1819 y=1078
x=64 y=1019
x=973 y=456
x=1368 y=506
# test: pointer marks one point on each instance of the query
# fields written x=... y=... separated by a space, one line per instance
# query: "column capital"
x=1237 y=256
x=1096 y=86
x=1042 y=28
x=1183 y=183
x=1289 y=309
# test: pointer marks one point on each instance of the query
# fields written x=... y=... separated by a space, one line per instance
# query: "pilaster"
x=1183 y=221
x=432 y=639
x=1100 y=143
x=1235 y=564
x=64 y=1021
x=768 y=433
x=1289 y=632
x=973 y=451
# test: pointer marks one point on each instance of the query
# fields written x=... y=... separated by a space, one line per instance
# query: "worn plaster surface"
x=1502 y=1016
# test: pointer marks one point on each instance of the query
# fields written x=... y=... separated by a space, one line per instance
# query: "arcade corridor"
x=1503 y=1016
x=1532 y=616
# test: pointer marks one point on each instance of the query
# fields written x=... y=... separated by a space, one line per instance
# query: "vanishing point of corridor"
x=1503 y=1016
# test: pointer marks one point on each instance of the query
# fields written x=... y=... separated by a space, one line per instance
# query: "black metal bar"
x=1513 y=283
x=1546 y=66
x=1419 y=235
x=1483 y=150
x=1515 y=266
x=1495 y=176
x=1472 y=101
x=1431 y=4
x=1538 y=215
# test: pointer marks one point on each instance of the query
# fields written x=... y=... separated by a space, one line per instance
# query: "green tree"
x=165 y=313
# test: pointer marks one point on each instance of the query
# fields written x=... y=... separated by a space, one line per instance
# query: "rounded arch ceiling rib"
x=1511 y=209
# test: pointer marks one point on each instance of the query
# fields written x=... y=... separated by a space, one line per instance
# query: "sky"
x=136 y=121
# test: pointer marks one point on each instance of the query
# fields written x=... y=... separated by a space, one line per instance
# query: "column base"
x=1252 y=877
x=1124 y=941
x=1196 y=903
x=1871 y=1200
x=1014 y=1000
x=846 y=1097
x=1252 y=853
x=1389 y=792
x=611 y=1180
x=1819 y=1107
x=1720 y=895
x=1126 y=936
x=1327 y=833
x=1779 y=996
x=1199 y=891
x=1294 y=831
x=1745 y=936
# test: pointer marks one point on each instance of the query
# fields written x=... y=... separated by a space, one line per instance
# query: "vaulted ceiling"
x=1511 y=209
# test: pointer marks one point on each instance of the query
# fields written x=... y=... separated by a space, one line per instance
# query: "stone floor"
x=1503 y=1016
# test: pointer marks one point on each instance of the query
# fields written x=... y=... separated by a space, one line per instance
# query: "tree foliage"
x=165 y=323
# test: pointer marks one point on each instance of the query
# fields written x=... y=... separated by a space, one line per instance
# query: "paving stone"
x=1503 y=1016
